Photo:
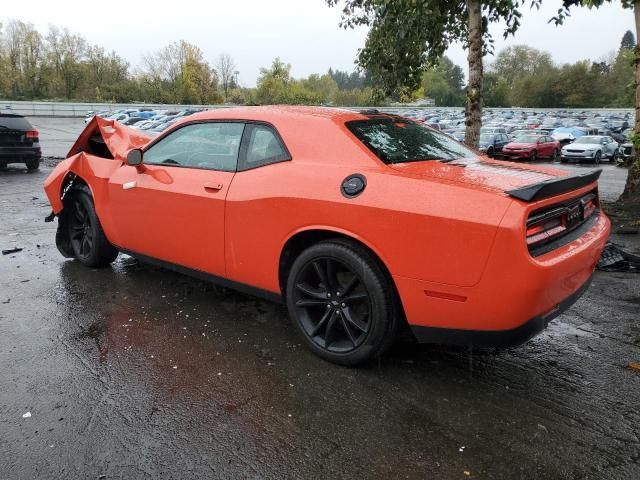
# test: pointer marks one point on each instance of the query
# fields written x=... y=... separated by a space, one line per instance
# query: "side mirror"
x=134 y=157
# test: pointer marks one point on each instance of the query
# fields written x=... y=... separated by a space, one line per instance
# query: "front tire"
x=341 y=302
x=597 y=157
x=86 y=240
x=533 y=156
x=555 y=155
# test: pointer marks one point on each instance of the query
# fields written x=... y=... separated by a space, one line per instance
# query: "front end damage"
x=100 y=149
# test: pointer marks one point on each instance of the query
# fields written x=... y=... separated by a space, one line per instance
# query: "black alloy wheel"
x=86 y=239
x=341 y=302
x=81 y=230
x=332 y=305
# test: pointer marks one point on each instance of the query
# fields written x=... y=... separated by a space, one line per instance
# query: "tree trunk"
x=473 y=112
x=631 y=194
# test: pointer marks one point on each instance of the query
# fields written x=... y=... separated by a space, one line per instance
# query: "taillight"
x=546 y=226
x=32 y=134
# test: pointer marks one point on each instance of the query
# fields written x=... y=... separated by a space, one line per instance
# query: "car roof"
x=270 y=113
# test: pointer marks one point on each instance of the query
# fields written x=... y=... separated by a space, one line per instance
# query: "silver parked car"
x=592 y=148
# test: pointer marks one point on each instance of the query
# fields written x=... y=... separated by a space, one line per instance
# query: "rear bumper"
x=517 y=295
x=19 y=154
x=497 y=338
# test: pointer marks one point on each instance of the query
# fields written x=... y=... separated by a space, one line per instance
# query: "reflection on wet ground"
x=137 y=372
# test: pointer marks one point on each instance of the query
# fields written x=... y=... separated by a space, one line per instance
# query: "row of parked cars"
x=582 y=136
x=511 y=134
x=151 y=121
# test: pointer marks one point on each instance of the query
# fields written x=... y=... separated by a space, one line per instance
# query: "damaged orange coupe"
x=359 y=221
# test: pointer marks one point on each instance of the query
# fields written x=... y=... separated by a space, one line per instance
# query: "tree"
x=273 y=82
x=66 y=52
x=408 y=35
x=628 y=40
x=180 y=70
x=631 y=194
x=444 y=83
x=226 y=70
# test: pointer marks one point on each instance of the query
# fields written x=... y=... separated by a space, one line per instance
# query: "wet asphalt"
x=135 y=372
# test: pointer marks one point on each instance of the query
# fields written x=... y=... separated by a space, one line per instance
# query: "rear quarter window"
x=399 y=140
x=14 y=122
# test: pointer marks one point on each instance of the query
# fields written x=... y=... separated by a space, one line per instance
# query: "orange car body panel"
x=452 y=239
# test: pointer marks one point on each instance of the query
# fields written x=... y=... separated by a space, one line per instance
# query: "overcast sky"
x=303 y=33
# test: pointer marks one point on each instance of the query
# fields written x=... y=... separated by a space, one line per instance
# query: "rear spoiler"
x=555 y=186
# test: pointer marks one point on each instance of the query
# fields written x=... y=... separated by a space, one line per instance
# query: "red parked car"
x=531 y=147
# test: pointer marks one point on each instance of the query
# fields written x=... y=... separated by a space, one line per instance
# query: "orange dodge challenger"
x=357 y=221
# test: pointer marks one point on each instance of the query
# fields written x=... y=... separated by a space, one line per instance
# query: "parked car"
x=590 y=148
x=492 y=143
x=316 y=208
x=625 y=152
x=518 y=133
x=532 y=147
x=493 y=129
x=19 y=142
x=133 y=120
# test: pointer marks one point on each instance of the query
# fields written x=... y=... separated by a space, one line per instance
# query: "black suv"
x=19 y=142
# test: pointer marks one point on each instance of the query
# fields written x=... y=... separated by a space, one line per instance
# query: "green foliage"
x=63 y=65
x=275 y=86
x=525 y=77
x=444 y=83
x=408 y=36
x=628 y=40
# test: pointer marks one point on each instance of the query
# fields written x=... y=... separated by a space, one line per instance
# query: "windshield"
x=588 y=140
x=396 y=140
x=527 y=139
x=486 y=138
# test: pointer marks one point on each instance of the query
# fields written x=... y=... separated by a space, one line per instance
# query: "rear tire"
x=490 y=152
x=555 y=155
x=86 y=240
x=341 y=302
x=533 y=156
x=33 y=164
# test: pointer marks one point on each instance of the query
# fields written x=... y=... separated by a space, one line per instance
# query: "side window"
x=263 y=146
x=211 y=146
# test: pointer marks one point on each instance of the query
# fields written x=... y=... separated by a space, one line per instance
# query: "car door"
x=172 y=208
x=549 y=145
x=502 y=141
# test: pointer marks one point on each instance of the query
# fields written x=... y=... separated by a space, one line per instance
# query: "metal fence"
x=69 y=109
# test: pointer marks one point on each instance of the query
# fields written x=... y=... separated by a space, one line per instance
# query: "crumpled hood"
x=118 y=138
x=481 y=172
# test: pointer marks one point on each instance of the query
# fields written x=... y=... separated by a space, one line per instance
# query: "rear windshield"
x=14 y=122
x=399 y=140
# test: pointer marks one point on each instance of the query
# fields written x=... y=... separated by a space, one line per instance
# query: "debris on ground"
x=615 y=259
x=634 y=366
x=9 y=251
x=26 y=415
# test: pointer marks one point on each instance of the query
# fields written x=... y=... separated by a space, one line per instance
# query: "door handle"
x=213 y=187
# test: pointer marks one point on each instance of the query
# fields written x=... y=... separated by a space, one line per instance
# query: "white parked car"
x=592 y=148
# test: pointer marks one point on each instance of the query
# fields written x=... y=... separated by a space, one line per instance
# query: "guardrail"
x=75 y=109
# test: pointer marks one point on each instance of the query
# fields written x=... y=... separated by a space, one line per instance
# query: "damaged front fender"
x=100 y=149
